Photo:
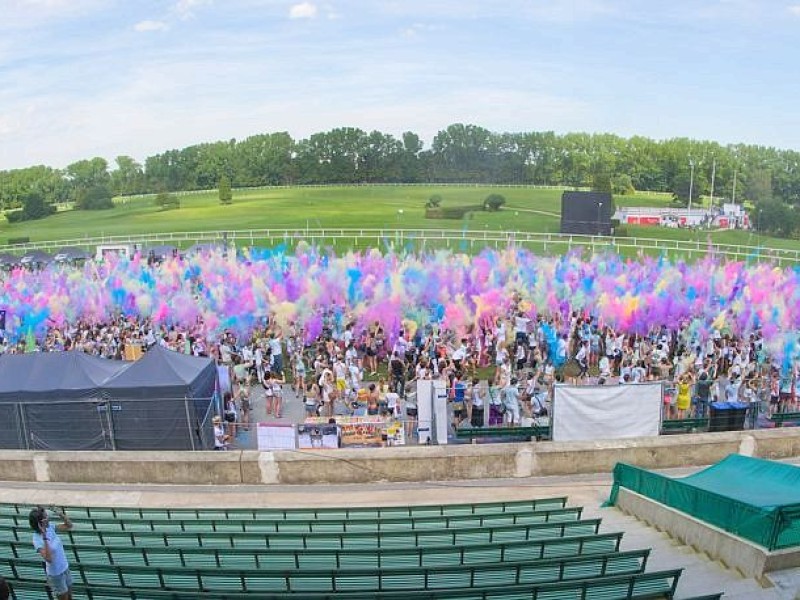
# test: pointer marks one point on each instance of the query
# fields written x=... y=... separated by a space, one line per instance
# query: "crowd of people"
x=505 y=365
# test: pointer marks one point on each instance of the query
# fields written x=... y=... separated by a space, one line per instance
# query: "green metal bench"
x=534 y=432
x=329 y=559
x=684 y=425
x=301 y=541
x=304 y=514
x=268 y=580
x=639 y=586
x=165 y=524
x=786 y=417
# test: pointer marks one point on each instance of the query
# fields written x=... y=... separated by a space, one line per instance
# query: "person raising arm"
x=47 y=543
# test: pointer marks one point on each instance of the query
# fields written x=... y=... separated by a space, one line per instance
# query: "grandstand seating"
x=383 y=539
x=540 y=550
x=259 y=525
x=305 y=514
x=331 y=558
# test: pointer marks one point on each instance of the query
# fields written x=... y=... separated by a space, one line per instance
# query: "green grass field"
x=385 y=207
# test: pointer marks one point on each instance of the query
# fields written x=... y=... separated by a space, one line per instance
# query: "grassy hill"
x=386 y=207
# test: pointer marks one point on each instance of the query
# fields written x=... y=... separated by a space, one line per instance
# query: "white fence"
x=458 y=240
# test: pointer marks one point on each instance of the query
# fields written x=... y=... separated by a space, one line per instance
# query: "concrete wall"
x=734 y=552
x=414 y=463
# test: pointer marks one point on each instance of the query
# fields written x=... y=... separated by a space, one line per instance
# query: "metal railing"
x=366 y=237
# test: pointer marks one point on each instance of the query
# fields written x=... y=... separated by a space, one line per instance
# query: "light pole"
x=691 y=182
x=713 y=177
x=599 y=206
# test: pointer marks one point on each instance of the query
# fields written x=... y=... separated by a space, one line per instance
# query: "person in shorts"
x=48 y=544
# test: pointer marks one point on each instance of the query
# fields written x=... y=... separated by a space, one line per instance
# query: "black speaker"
x=586 y=213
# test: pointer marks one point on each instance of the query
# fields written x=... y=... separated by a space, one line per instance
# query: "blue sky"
x=83 y=78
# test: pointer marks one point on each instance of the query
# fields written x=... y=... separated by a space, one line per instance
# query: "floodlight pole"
x=691 y=183
x=713 y=177
x=599 y=206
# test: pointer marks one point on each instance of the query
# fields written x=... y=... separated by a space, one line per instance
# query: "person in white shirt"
x=521 y=328
x=400 y=346
x=475 y=404
x=48 y=544
x=582 y=357
x=221 y=438
x=354 y=377
x=500 y=333
x=520 y=356
x=340 y=374
x=351 y=355
x=511 y=403
x=562 y=350
x=276 y=350
x=460 y=353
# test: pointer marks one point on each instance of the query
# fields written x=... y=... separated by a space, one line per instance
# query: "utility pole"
x=691 y=183
x=734 y=185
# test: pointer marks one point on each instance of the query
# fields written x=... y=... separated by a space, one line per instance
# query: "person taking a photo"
x=47 y=543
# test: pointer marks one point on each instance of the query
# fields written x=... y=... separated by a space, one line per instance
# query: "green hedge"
x=451 y=212
x=15 y=216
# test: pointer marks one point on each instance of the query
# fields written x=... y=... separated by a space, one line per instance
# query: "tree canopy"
x=460 y=153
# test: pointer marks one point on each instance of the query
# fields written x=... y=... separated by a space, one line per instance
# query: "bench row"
x=305 y=514
x=542 y=432
x=176 y=524
x=242 y=558
x=270 y=581
x=301 y=541
x=638 y=586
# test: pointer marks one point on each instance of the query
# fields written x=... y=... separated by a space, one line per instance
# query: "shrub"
x=225 y=192
x=451 y=212
x=166 y=201
x=620 y=231
x=97 y=197
x=493 y=202
x=15 y=216
x=434 y=201
x=35 y=207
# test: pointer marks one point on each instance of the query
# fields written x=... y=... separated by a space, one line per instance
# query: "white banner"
x=606 y=412
x=425 y=411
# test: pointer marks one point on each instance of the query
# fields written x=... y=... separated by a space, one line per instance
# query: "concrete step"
x=701 y=575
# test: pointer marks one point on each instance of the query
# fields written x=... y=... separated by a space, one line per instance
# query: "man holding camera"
x=48 y=544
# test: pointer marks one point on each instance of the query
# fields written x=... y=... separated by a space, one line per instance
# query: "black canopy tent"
x=52 y=400
x=35 y=258
x=73 y=401
x=8 y=260
x=163 y=401
x=71 y=254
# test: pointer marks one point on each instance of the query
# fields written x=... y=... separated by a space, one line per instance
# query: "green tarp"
x=763 y=483
x=754 y=498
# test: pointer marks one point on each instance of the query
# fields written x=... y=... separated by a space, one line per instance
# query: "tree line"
x=461 y=153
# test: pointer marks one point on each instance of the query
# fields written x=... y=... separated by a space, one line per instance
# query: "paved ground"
x=292 y=412
x=701 y=575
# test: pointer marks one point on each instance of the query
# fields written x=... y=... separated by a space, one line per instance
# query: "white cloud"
x=794 y=9
x=185 y=8
x=304 y=10
x=418 y=29
x=149 y=25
